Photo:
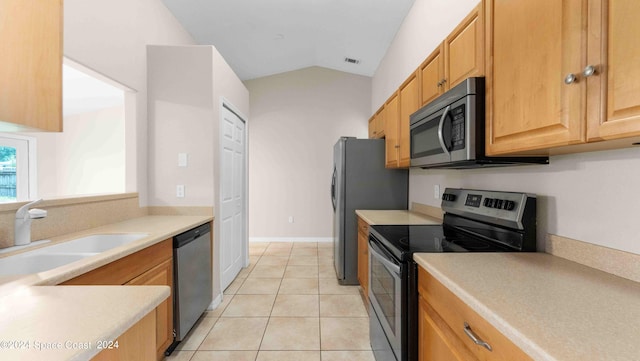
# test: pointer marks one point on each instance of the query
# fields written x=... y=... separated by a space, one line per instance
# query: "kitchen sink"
x=60 y=254
x=95 y=243
x=32 y=263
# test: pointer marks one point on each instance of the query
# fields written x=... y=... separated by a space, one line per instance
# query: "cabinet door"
x=464 y=49
x=431 y=75
x=376 y=125
x=614 y=49
x=31 y=66
x=372 y=127
x=409 y=103
x=392 y=143
x=160 y=275
x=380 y=123
x=534 y=45
x=137 y=343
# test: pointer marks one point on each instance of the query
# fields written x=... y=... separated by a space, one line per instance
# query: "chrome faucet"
x=24 y=215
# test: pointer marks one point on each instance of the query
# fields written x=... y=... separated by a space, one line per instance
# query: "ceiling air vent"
x=351 y=61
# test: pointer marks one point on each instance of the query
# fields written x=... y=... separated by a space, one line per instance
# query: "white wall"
x=591 y=197
x=185 y=87
x=296 y=118
x=110 y=37
x=181 y=115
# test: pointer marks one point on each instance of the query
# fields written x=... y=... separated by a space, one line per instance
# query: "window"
x=17 y=168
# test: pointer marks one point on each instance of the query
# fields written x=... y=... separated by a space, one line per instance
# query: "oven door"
x=385 y=295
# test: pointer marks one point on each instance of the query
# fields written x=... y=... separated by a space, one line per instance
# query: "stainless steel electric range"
x=474 y=221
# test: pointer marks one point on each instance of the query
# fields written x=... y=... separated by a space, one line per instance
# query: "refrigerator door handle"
x=333 y=188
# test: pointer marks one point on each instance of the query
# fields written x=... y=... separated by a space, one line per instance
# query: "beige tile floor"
x=287 y=305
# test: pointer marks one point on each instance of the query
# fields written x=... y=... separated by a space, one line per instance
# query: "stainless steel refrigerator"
x=360 y=181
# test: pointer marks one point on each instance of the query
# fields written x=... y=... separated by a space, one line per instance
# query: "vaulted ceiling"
x=264 y=37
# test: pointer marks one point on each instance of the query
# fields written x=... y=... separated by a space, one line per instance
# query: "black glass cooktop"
x=403 y=241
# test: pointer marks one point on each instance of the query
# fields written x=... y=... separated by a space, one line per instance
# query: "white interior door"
x=232 y=196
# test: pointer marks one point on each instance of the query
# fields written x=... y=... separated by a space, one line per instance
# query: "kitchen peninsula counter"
x=551 y=308
x=33 y=311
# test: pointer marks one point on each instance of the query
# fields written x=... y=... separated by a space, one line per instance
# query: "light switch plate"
x=183 y=159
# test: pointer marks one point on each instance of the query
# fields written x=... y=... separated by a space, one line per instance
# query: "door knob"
x=589 y=71
x=570 y=79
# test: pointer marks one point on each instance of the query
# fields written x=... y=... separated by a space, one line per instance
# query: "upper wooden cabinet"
x=31 y=66
x=464 y=49
x=432 y=73
x=376 y=125
x=561 y=73
x=613 y=90
x=460 y=56
x=391 y=116
x=409 y=98
x=533 y=46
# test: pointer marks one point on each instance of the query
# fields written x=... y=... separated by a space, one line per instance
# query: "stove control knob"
x=498 y=203
x=509 y=205
x=488 y=202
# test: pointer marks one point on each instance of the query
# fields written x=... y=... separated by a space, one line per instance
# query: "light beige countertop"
x=32 y=311
x=395 y=217
x=158 y=227
x=553 y=309
x=70 y=322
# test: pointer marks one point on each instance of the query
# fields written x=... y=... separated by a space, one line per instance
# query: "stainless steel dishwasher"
x=191 y=279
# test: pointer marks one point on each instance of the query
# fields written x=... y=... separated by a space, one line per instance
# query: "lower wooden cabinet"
x=150 y=266
x=363 y=256
x=160 y=275
x=135 y=344
x=446 y=325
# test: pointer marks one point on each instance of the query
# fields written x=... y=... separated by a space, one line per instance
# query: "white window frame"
x=26 y=166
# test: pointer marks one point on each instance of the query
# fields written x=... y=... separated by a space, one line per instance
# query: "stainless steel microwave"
x=449 y=132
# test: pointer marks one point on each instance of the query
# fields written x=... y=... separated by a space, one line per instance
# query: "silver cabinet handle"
x=570 y=79
x=475 y=338
x=589 y=71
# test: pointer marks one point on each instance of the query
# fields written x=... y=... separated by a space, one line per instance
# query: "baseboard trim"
x=215 y=303
x=290 y=239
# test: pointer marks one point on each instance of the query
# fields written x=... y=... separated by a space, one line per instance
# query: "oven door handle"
x=378 y=253
x=443 y=145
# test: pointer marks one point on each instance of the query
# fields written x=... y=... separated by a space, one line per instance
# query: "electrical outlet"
x=290 y=219
x=180 y=191
x=436 y=191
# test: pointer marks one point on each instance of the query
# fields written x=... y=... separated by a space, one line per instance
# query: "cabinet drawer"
x=456 y=313
x=127 y=268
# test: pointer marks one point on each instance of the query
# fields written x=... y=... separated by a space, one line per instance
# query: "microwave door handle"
x=440 y=130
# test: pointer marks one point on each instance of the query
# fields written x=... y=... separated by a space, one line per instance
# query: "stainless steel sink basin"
x=46 y=258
